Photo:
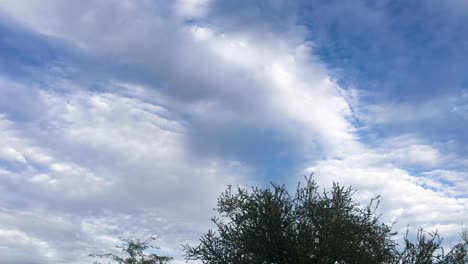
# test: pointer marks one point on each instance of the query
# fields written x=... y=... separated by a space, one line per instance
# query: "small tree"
x=428 y=250
x=422 y=252
x=134 y=253
x=271 y=226
x=459 y=253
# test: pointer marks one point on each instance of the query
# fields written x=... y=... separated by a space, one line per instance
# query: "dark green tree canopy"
x=272 y=226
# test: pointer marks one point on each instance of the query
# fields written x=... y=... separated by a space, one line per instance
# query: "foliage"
x=134 y=251
x=428 y=250
x=272 y=226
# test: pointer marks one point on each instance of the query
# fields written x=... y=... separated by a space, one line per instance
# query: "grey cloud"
x=116 y=141
x=170 y=51
x=158 y=152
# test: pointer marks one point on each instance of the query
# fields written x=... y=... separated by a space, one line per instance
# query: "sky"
x=130 y=117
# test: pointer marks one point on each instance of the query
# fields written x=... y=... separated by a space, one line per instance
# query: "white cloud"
x=120 y=159
x=409 y=150
x=106 y=153
x=41 y=169
x=192 y=8
x=18 y=242
x=11 y=154
x=13 y=237
x=294 y=89
x=427 y=200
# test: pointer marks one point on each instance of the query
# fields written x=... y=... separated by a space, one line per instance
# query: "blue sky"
x=130 y=117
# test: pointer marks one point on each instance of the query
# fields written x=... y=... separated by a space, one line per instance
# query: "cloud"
x=440 y=120
x=192 y=8
x=173 y=102
x=10 y=154
x=19 y=242
x=444 y=109
x=294 y=88
x=421 y=197
x=129 y=154
x=277 y=70
x=103 y=155
x=26 y=164
x=407 y=150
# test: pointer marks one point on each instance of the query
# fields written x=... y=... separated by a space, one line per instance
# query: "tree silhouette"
x=428 y=250
x=134 y=253
x=271 y=226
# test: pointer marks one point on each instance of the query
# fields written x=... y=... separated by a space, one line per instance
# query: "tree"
x=428 y=250
x=134 y=251
x=270 y=225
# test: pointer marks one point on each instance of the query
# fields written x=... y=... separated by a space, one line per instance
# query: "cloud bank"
x=150 y=108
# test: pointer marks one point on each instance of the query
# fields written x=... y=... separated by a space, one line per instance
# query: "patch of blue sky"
x=29 y=57
x=22 y=51
x=401 y=50
x=269 y=152
x=396 y=52
x=390 y=51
